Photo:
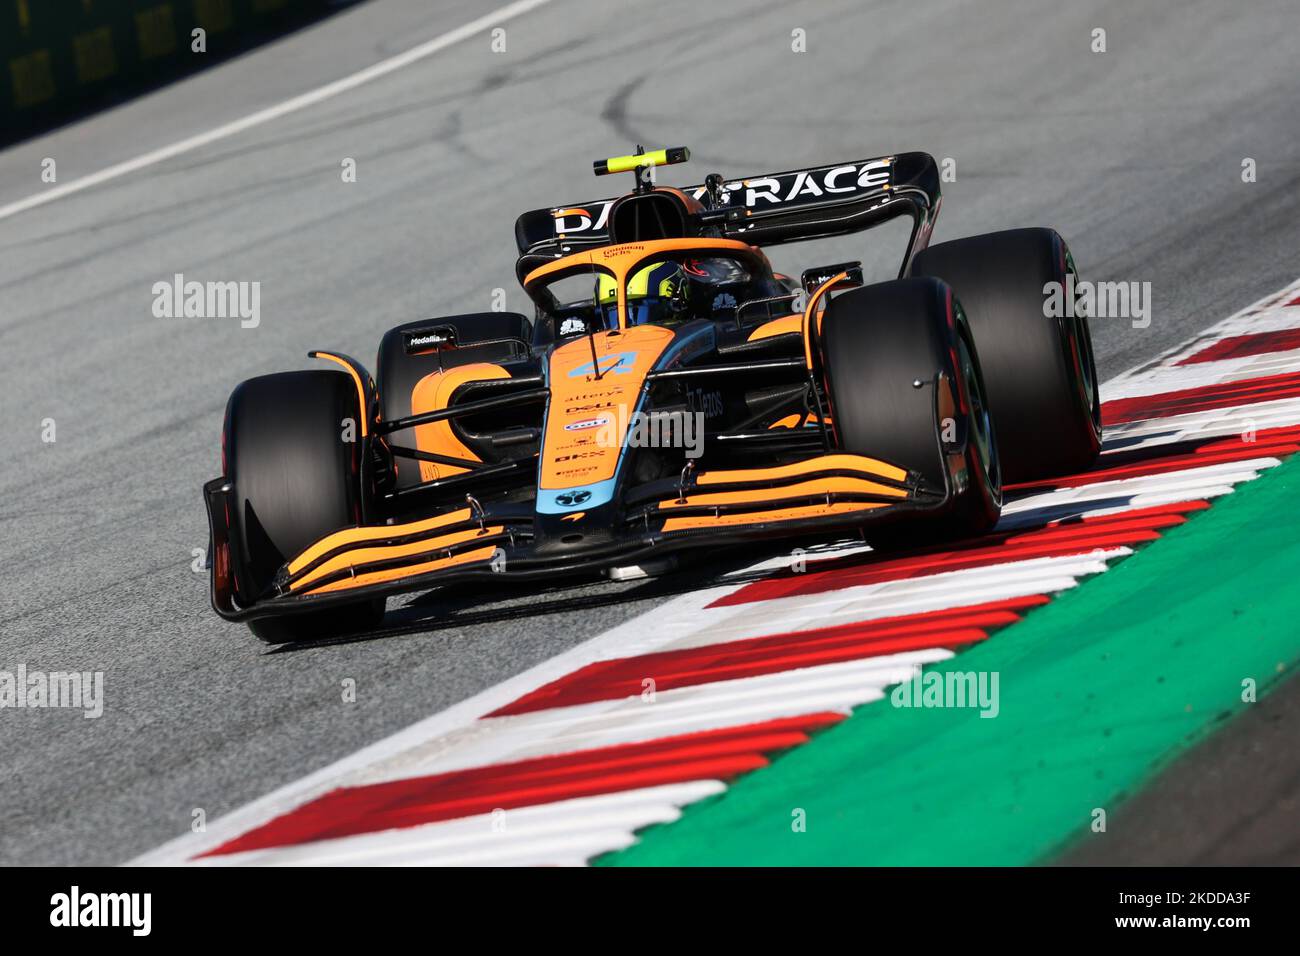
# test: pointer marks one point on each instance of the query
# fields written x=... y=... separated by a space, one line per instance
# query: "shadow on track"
x=437 y=611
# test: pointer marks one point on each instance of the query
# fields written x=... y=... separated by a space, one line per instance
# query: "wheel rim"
x=1081 y=353
x=1087 y=366
x=980 y=420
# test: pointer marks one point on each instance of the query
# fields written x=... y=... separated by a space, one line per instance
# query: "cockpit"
x=681 y=281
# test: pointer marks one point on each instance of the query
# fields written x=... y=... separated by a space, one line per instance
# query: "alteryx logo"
x=620 y=362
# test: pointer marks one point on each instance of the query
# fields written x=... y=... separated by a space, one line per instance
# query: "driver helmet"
x=718 y=284
x=657 y=294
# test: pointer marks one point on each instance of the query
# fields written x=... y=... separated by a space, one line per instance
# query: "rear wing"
x=764 y=210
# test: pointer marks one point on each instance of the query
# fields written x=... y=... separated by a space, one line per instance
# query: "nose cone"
x=575 y=532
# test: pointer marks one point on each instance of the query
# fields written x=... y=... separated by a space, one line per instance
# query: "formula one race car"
x=671 y=391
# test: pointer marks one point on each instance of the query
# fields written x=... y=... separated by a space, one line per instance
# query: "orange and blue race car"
x=670 y=391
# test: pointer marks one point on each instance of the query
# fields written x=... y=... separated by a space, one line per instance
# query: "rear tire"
x=877 y=342
x=295 y=480
x=1039 y=370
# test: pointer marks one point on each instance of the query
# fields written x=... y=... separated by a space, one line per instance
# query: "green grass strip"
x=1098 y=690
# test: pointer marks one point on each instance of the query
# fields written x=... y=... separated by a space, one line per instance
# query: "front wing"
x=827 y=493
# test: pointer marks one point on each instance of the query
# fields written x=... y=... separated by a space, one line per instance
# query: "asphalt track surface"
x=1133 y=154
x=1233 y=801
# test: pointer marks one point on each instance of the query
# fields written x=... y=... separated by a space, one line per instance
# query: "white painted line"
x=292 y=105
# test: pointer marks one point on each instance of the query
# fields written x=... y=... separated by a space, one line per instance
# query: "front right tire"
x=885 y=349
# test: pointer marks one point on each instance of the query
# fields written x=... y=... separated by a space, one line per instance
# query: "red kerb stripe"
x=1058 y=539
x=348 y=811
x=750 y=657
x=1209 y=453
x=1242 y=346
x=1247 y=391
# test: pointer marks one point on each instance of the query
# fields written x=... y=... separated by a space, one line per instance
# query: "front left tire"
x=293 y=462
